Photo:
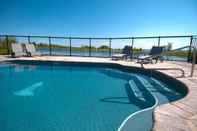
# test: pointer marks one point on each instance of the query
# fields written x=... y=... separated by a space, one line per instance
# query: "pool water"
x=66 y=98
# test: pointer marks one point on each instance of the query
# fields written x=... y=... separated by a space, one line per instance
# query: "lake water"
x=63 y=52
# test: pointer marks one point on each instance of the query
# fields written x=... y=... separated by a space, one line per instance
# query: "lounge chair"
x=126 y=52
x=155 y=54
x=118 y=56
x=31 y=50
x=17 y=50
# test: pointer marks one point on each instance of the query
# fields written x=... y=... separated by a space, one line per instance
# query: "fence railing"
x=70 y=47
x=194 y=56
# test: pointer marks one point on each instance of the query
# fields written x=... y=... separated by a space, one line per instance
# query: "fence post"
x=7 y=44
x=50 y=46
x=110 y=47
x=70 y=45
x=28 y=37
x=159 y=41
x=190 y=50
x=132 y=48
x=194 y=57
x=90 y=44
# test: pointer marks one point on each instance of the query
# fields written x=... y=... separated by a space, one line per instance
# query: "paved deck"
x=180 y=115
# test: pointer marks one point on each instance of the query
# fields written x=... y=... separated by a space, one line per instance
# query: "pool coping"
x=178 y=115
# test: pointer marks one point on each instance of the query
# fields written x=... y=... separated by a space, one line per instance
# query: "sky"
x=98 y=18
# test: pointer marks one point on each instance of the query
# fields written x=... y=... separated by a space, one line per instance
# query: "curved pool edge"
x=128 y=120
x=182 y=113
x=165 y=108
x=161 y=114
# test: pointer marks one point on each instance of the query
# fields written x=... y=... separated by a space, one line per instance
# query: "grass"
x=182 y=54
x=3 y=51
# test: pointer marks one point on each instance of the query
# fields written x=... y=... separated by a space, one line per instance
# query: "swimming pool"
x=57 y=96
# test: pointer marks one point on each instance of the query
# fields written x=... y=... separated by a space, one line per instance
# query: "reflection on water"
x=30 y=90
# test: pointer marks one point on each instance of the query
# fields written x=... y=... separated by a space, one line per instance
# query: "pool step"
x=162 y=92
x=138 y=94
x=142 y=90
x=162 y=86
x=145 y=83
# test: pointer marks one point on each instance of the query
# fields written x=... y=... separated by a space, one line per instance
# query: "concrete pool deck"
x=180 y=115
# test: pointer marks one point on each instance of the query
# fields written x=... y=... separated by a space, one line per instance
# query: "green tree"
x=5 y=44
x=103 y=47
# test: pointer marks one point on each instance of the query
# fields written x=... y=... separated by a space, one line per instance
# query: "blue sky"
x=98 y=18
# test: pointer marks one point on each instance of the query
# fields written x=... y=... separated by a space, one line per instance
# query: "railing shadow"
x=118 y=100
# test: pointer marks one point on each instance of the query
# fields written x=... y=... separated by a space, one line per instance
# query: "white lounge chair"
x=126 y=52
x=31 y=50
x=155 y=54
x=118 y=56
x=17 y=50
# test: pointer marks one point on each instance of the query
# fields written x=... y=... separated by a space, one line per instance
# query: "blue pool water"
x=67 y=98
